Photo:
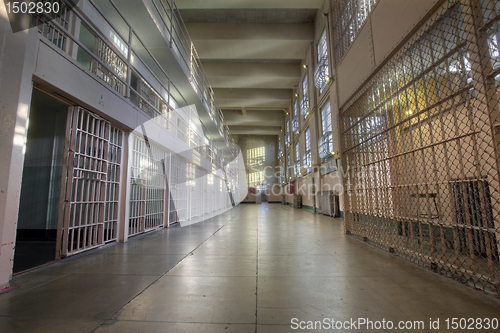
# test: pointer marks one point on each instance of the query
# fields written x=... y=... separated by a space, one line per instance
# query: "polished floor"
x=251 y=269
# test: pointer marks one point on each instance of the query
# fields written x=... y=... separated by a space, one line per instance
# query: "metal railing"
x=114 y=61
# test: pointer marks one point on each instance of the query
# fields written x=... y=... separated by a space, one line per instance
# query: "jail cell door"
x=222 y=193
x=208 y=195
x=197 y=193
x=88 y=213
x=178 y=209
x=147 y=186
x=216 y=197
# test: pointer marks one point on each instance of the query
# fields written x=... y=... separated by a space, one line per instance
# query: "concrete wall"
x=17 y=61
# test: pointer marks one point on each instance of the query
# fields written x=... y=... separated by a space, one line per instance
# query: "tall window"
x=297 y=160
x=255 y=178
x=321 y=77
x=306 y=158
x=288 y=168
x=256 y=156
x=295 y=121
x=287 y=135
x=325 y=143
x=326 y=118
x=304 y=105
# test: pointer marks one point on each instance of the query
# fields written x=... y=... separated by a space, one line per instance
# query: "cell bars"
x=420 y=148
x=147 y=186
x=178 y=209
x=89 y=205
x=197 y=178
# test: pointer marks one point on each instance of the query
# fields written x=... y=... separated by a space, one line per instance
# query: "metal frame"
x=88 y=212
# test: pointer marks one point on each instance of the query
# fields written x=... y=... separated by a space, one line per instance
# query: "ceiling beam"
x=254 y=118
x=247 y=4
x=255 y=130
x=252 y=75
x=264 y=98
x=251 y=40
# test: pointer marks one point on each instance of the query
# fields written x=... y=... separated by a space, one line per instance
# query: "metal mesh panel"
x=147 y=187
x=349 y=17
x=420 y=149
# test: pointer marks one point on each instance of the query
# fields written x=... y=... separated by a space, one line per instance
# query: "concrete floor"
x=251 y=269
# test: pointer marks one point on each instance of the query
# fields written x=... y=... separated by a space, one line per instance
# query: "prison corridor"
x=254 y=268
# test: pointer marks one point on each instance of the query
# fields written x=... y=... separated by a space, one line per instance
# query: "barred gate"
x=88 y=213
x=208 y=193
x=420 y=146
x=147 y=186
x=196 y=197
x=178 y=210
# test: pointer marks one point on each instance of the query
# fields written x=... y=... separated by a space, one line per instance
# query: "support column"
x=17 y=63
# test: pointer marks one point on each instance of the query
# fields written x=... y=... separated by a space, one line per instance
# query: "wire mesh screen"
x=420 y=148
x=348 y=18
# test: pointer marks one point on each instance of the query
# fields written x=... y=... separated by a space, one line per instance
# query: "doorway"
x=41 y=183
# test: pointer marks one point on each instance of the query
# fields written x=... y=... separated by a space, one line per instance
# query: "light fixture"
x=296 y=95
x=305 y=66
x=327 y=78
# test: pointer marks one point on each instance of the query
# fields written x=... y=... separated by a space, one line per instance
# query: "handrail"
x=185 y=42
x=56 y=26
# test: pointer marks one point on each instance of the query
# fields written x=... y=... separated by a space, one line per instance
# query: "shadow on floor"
x=30 y=254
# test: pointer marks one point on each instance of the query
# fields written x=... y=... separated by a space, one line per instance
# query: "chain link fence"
x=420 y=145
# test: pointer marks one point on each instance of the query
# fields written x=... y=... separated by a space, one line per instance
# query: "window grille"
x=295 y=124
x=297 y=160
x=256 y=156
x=325 y=143
x=321 y=74
x=304 y=104
x=287 y=134
x=306 y=157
